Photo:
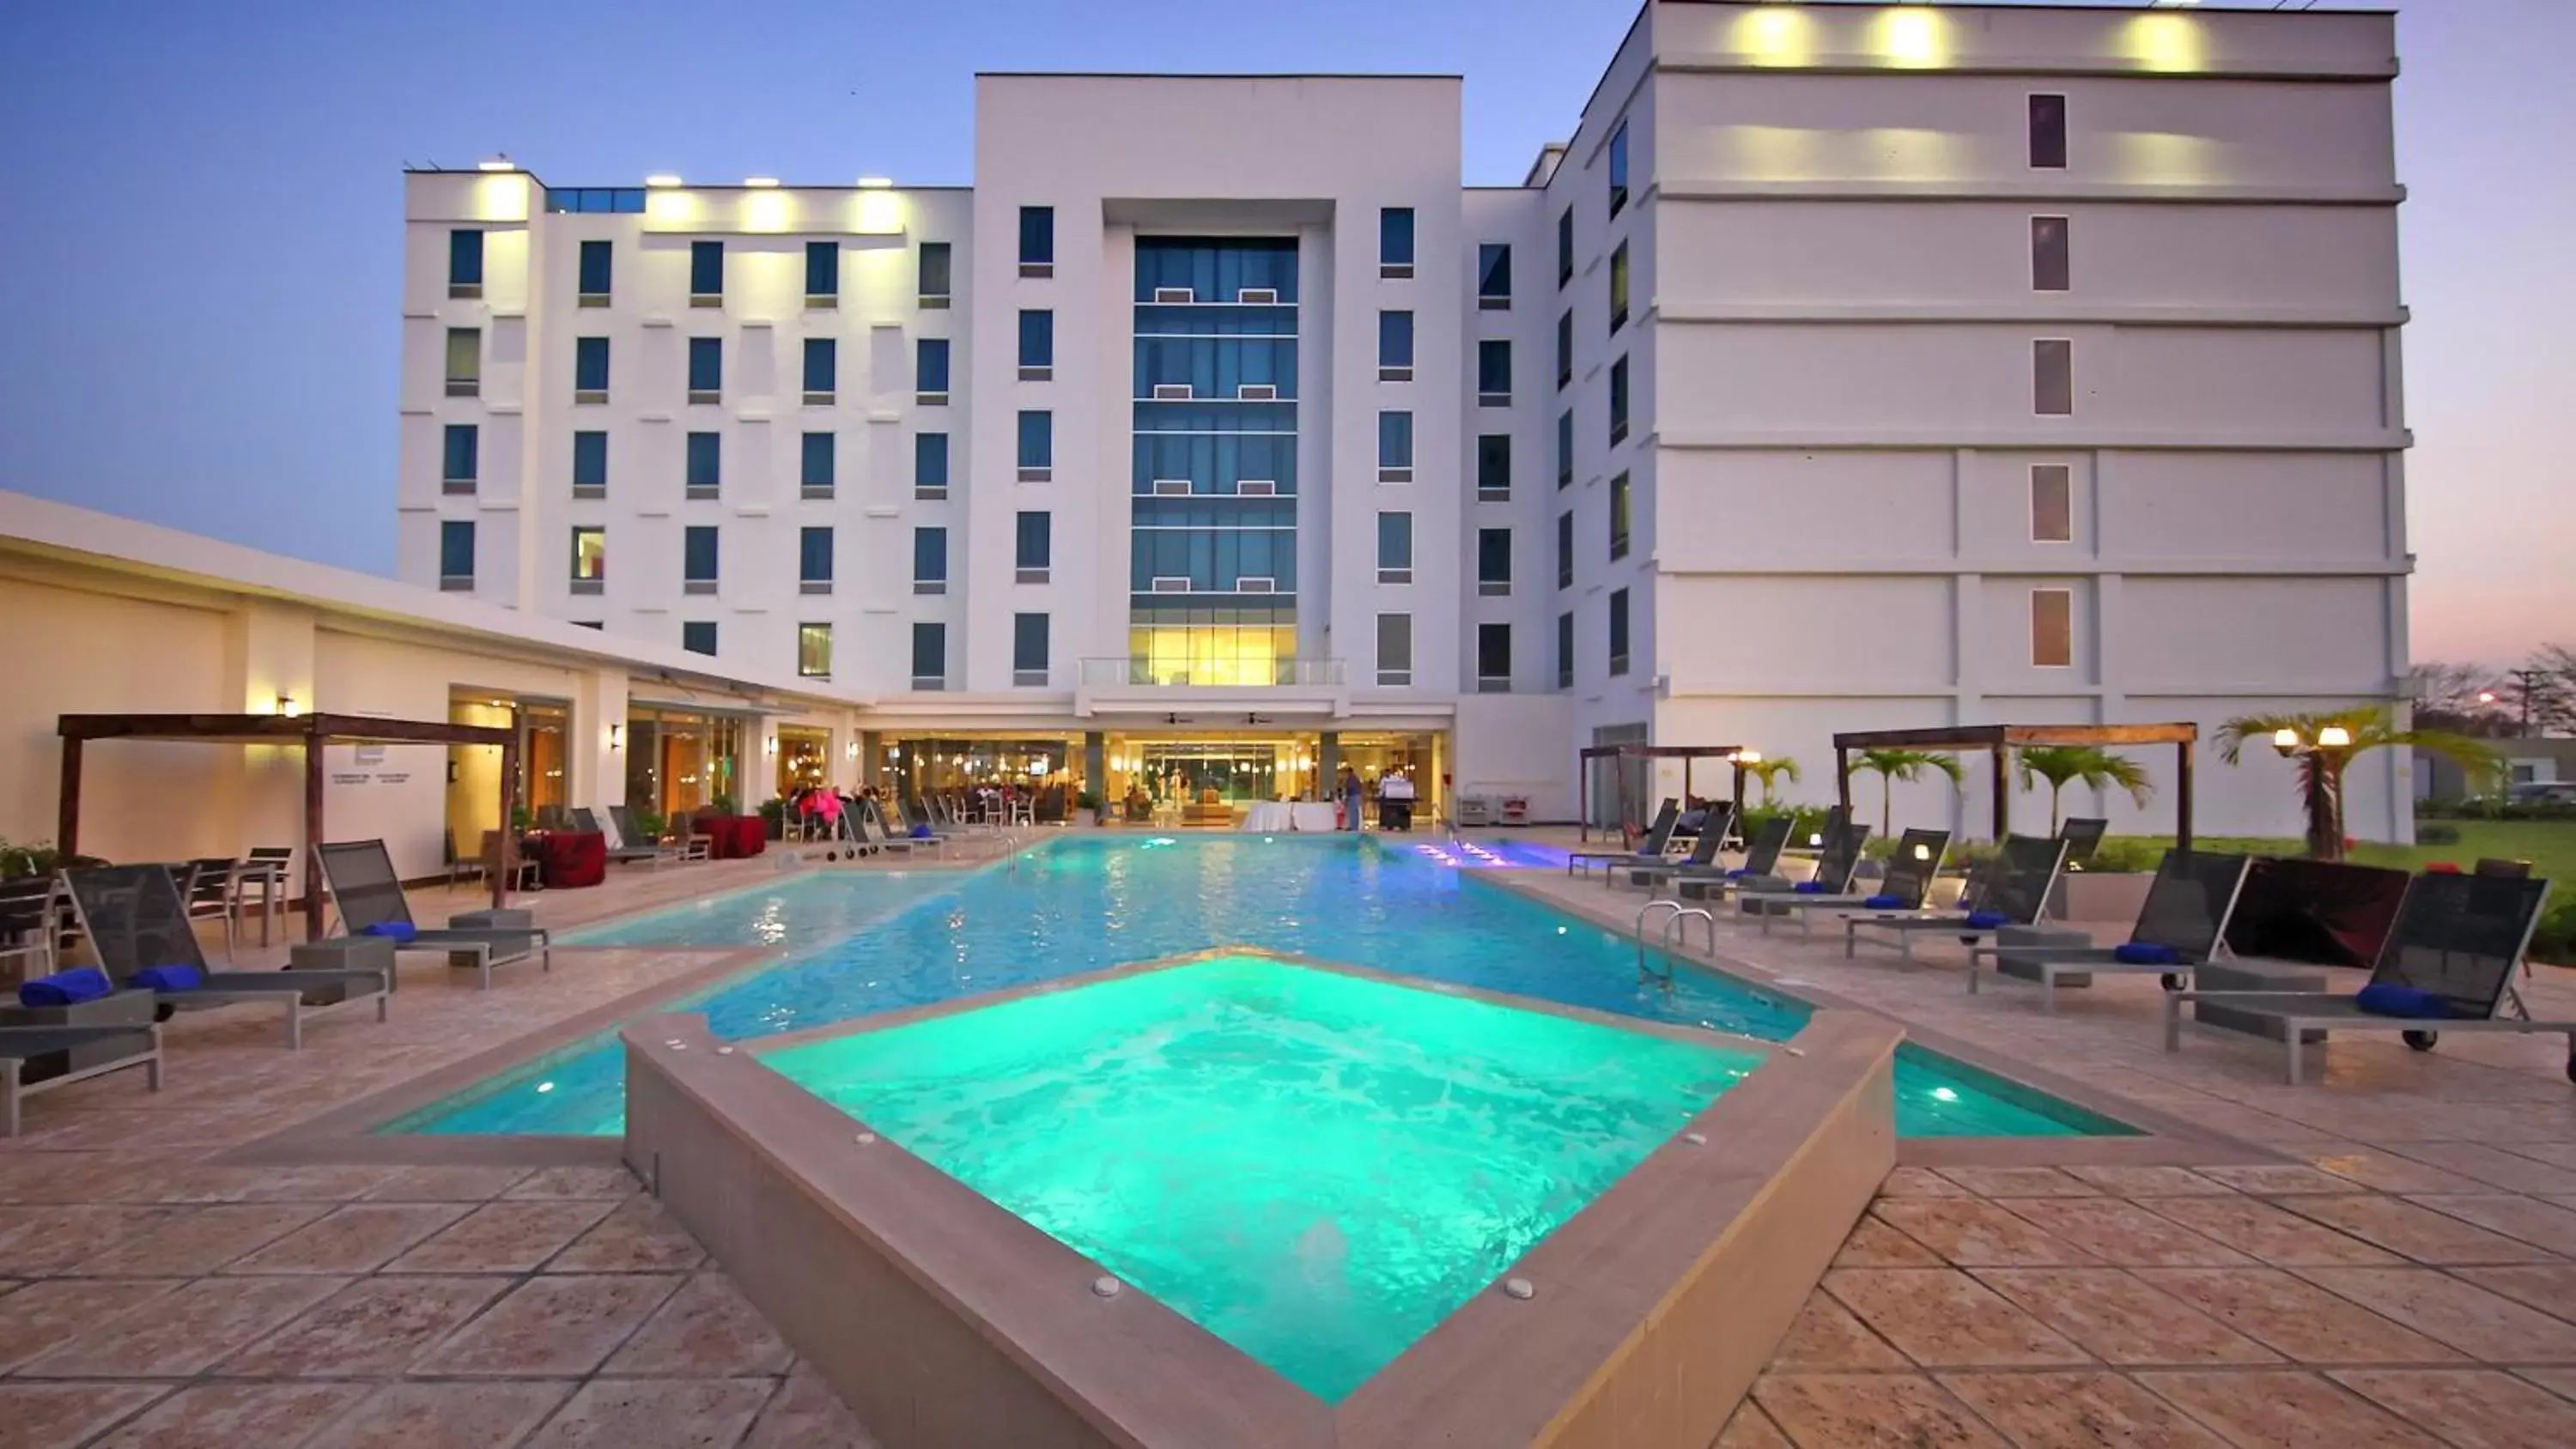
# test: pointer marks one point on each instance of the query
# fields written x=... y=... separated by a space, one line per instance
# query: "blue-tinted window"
x=1565 y=347
x=929 y=651
x=465 y=258
x=1037 y=234
x=1565 y=447
x=706 y=364
x=1036 y=540
x=456 y=549
x=1028 y=643
x=1037 y=337
x=1565 y=550
x=706 y=460
x=935 y=275
x=1494 y=464
x=1618 y=286
x=1493 y=555
x=629 y=199
x=1395 y=439
x=819 y=460
x=1494 y=367
x=1395 y=339
x=822 y=364
x=930 y=555
x=1494 y=271
x=1395 y=236
x=1037 y=439
x=596 y=261
x=698 y=553
x=706 y=269
x=1619 y=517
x=463 y=453
x=1565 y=246
x=1618 y=631
x=930 y=365
x=1565 y=650
x=698 y=636
x=1619 y=168
x=1618 y=400
x=1395 y=540
x=590 y=364
x=814 y=556
x=590 y=460
x=930 y=460
x=822 y=269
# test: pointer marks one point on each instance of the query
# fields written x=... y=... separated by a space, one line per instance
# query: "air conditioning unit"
x=1256 y=488
x=1258 y=296
x=1175 y=294
x=1172 y=392
x=1257 y=392
x=1167 y=585
x=1251 y=585
x=1171 y=487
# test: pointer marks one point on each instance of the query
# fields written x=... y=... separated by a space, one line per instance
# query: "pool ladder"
x=1676 y=933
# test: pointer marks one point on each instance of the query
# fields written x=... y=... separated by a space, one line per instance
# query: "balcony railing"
x=1142 y=673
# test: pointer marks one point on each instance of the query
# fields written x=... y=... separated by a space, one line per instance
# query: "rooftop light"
x=876 y=183
x=661 y=178
x=497 y=163
x=763 y=181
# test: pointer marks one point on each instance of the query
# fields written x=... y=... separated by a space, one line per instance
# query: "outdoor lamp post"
x=2321 y=762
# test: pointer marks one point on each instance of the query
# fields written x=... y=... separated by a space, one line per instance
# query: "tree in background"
x=1768 y=772
x=2097 y=769
x=1894 y=765
x=2542 y=693
x=2362 y=728
x=2469 y=699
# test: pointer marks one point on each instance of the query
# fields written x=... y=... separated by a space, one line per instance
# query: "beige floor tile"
x=183 y=1333
x=614 y=1183
x=1874 y=1244
x=357 y=1238
x=201 y=1242
x=806 y=1414
x=2469 y=1408
x=2549 y=1287
x=1919 y=1182
x=2278 y=1178
x=40 y=1317
x=2151 y=1181
x=372 y=1327
x=2259 y=1409
x=2389 y=1173
x=36 y=1241
x=636 y=1237
x=2269 y=1233
x=235 y=1416
x=449 y=1184
x=2561 y=1382
x=1944 y=1319
x=2295 y=1317
x=446 y=1416
x=2121 y=1319
x=1747 y=1428
x=330 y=1182
x=2555 y=1154
x=1976 y=1234
x=2541 y=1224
x=2495 y=1166
x=1826 y=1338
x=1870 y=1411
x=2123 y=1233
x=504 y=1237
x=2079 y=1411
x=705 y=1330
x=2415 y=1232
x=2019 y=1182
x=680 y=1413
x=49 y=1416
x=550 y=1327
x=2469 y=1318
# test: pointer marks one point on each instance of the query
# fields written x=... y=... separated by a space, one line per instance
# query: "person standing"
x=1351 y=797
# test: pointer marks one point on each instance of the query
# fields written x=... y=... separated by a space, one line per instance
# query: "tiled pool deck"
x=2403 y=1274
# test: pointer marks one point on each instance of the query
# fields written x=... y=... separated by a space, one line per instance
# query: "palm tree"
x=1895 y=765
x=2321 y=768
x=1766 y=772
x=2094 y=768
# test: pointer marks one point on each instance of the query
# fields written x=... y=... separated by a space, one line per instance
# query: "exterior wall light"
x=616 y=737
x=287 y=706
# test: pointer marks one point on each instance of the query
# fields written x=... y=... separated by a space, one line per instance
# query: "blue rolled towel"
x=922 y=832
x=66 y=988
x=2145 y=953
x=1888 y=903
x=1987 y=920
x=2387 y=998
x=168 y=979
x=1738 y=873
x=396 y=931
x=1809 y=887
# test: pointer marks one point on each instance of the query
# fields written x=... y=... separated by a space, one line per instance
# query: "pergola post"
x=1842 y=778
x=1583 y=796
x=313 y=763
x=2182 y=798
x=2003 y=797
x=67 y=810
x=509 y=830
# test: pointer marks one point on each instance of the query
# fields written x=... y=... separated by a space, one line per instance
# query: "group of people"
x=1394 y=800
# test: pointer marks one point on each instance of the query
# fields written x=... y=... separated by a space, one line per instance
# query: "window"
x=1395 y=548
x=1493 y=561
x=822 y=274
x=1619 y=287
x=1494 y=468
x=2052 y=628
x=590 y=369
x=590 y=465
x=1037 y=445
x=930 y=465
x=1618 y=631
x=822 y=370
x=930 y=371
x=1493 y=659
x=1493 y=372
x=456 y=554
x=814 y=651
x=628 y=200
x=1395 y=241
x=1565 y=549
x=1395 y=447
x=1029 y=650
x=2048 y=133
x=1564 y=348
x=1565 y=246
x=1565 y=650
x=1395 y=650
x=589 y=560
x=818 y=465
x=1565 y=448
x=2051 y=266
x=1619 y=168
x=464 y=362
x=1035 y=556
x=930 y=560
x=705 y=458
x=929 y=655
x=457 y=471
x=465 y=264
x=594 y=284
x=2052 y=503
x=1494 y=276
x=1618 y=402
x=698 y=636
x=933 y=286
x=1037 y=344
x=698 y=559
x=706 y=273
x=1037 y=241
x=706 y=369
x=2052 y=380
x=814 y=560
x=1619 y=517
x=1395 y=347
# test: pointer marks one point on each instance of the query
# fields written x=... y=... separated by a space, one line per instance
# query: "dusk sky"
x=203 y=257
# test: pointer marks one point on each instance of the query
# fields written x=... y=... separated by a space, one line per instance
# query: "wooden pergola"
x=1628 y=807
x=2000 y=740
x=312 y=732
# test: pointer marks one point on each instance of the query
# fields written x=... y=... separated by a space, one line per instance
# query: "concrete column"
x=595 y=775
x=1328 y=764
x=269 y=657
x=1095 y=764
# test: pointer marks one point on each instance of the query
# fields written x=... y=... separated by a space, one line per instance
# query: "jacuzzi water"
x=866 y=943
x=1315 y=1167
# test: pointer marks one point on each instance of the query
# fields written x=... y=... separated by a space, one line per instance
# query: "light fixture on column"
x=287 y=706
x=769 y=745
x=853 y=750
x=616 y=737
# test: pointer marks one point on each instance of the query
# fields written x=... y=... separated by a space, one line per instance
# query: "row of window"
x=705 y=376
x=595 y=274
x=703 y=460
x=1033 y=557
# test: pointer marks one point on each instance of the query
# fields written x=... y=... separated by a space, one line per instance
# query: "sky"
x=199 y=270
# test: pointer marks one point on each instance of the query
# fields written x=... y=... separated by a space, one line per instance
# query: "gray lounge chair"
x=1761 y=859
x=136 y=919
x=1650 y=846
x=2083 y=837
x=622 y=849
x=2184 y=916
x=1714 y=829
x=37 y=1059
x=366 y=892
x=1837 y=861
x=1906 y=886
x=2013 y=884
x=2459 y=938
x=880 y=834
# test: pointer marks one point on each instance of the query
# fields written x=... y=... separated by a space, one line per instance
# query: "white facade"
x=1846 y=506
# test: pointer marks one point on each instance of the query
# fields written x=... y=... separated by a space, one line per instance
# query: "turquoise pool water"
x=1314 y=1167
x=1093 y=901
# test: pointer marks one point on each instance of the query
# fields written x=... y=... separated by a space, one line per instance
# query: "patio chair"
x=527 y=873
x=37 y=1059
x=2083 y=837
x=459 y=866
x=267 y=867
x=370 y=901
x=2179 y=927
x=1650 y=846
x=2447 y=964
x=27 y=924
x=1905 y=887
x=208 y=890
x=141 y=931
x=2010 y=889
x=620 y=850
x=1761 y=858
x=1714 y=829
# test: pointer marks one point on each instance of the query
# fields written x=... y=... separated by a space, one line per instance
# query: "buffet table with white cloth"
x=1278 y=817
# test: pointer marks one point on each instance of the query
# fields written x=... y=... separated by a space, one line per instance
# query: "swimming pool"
x=860 y=944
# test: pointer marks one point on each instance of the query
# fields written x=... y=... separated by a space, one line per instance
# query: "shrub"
x=2555 y=941
x=2119 y=854
x=773 y=815
x=2437 y=835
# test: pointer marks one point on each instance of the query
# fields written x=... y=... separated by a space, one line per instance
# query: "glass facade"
x=1213 y=561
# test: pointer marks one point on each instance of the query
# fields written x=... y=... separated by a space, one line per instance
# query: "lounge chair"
x=1650 y=846
x=2010 y=889
x=1714 y=828
x=1837 y=861
x=28 y=928
x=2083 y=837
x=40 y=1058
x=2179 y=927
x=1907 y=884
x=690 y=846
x=1761 y=858
x=620 y=849
x=370 y=900
x=139 y=927
x=873 y=813
x=2446 y=965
